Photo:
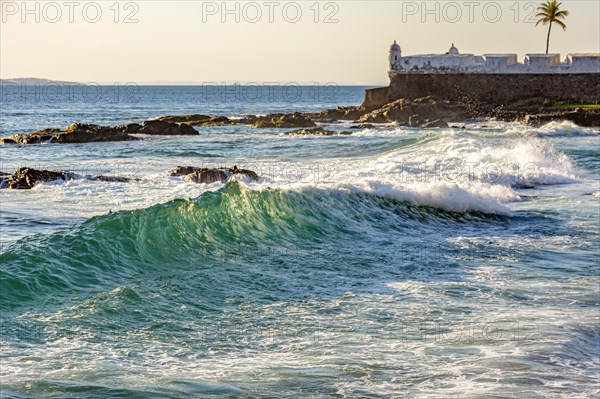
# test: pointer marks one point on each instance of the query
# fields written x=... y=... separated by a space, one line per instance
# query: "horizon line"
x=191 y=83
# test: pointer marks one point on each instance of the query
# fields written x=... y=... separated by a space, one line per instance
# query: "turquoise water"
x=396 y=262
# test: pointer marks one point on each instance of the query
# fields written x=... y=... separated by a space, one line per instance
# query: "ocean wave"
x=510 y=161
x=115 y=248
x=565 y=128
x=490 y=199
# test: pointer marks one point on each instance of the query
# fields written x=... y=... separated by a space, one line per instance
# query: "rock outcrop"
x=362 y=126
x=162 y=128
x=579 y=116
x=129 y=128
x=218 y=121
x=207 y=176
x=76 y=133
x=435 y=124
x=89 y=133
x=112 y=179
x=27 y=178
x=340 y=114
x=416 y=113
x=191 y=119
x=211 y=175
x=293 y=120
x=183 y=170
x=39 y=136
x=317 y=131
x=197 y=120
x=424 y=112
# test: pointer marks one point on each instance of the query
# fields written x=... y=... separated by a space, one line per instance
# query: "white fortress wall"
x=584 y=62
x=455 y=62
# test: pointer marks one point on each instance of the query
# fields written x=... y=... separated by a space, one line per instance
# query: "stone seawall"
x=377 y=97
x=494 y=89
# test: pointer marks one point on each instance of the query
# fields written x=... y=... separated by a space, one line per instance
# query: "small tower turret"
x=394 y=56
x=453 y=50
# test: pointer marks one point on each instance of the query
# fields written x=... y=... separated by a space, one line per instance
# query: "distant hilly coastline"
x=42 y=81
x=33 y=81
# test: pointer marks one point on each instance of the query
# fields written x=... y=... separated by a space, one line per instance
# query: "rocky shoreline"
x=424 y=112
x=26 y=178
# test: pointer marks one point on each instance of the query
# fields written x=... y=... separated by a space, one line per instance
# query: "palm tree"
x=549 y=13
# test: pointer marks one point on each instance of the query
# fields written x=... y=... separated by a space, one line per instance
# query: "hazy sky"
x=279 y=41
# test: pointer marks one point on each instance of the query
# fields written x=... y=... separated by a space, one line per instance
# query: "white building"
x=455 y=62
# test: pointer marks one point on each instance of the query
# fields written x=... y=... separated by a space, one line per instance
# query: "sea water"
x=394 y=262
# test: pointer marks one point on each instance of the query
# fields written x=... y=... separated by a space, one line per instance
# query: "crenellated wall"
x=491 y=88
x=496 y=63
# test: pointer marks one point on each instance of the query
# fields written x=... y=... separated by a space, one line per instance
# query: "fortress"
x=491 y=78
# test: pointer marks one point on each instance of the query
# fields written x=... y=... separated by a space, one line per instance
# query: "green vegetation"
x=550 y=13
x=553 y=105
x=575 y=105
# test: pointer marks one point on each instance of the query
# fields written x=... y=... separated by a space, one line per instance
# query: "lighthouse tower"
x=394 y=56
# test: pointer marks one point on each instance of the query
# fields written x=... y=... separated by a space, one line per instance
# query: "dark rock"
x=397 y=111
x=218 y=121
x=580 y=117
x=114 y=179
x=362 y=126
x=415 y=112
x=207 y=175
x=293 y=120
x=192 y=119
x=87 y=133
x=414 y=121
x=156 y=127
x=262 y=124
x=183 y=170
x=38 y=136
x=436 y=123
x=317 y=131
x=265 y=121
x=260 y=119
x=76 y=133
x=340 y=114
x=244 y=172
x=26 y=178
x=248 y=119
x=198 y=120
x=129 y=128
x=423 y=100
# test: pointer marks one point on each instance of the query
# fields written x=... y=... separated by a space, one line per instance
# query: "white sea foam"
x=525 y=160
x=451 y=169
x=447 y=196
x=565 y=128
